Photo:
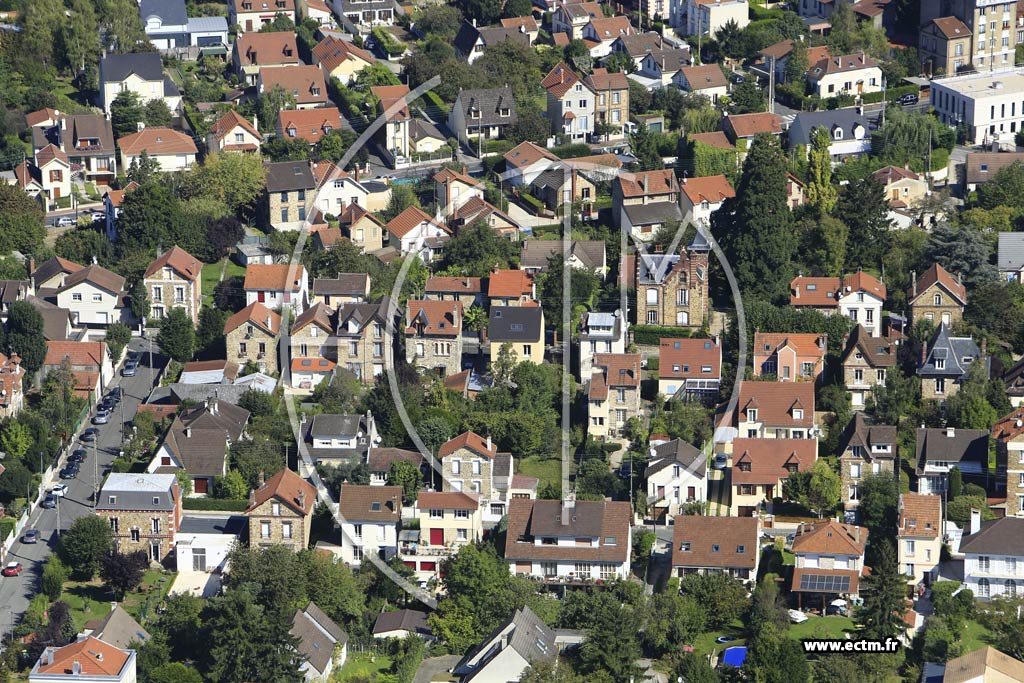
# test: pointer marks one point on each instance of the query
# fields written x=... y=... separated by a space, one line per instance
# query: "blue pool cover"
x=734 y=656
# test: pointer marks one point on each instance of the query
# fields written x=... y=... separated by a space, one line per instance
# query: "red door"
x=261 y=296
x=428 y=566
x=437 y=537
x=200 y=485
x=691 y=493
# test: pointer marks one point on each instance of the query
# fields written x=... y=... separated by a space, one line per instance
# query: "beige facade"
x=467 y=465
x=433 y=336
x=281 y=512
x=943 y=54
x=361 y=348
x=175 y=281
x=251 y=337
x=919 y=536
x=1008 y=434
x=452 y=526
x=676 y=294
x=290 y=207
x=613 y=396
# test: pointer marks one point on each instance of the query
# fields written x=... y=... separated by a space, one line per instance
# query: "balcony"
x=424 y=550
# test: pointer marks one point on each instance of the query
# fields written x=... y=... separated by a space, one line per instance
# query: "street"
x=16 y=592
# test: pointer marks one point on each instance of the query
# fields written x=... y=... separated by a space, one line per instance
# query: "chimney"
x=984 y=348
x=262 y=479
x=975 y=521
x=950 y=432
x=796 y=291
x=568 y=510
x=488 y=442
x=913 y=284
x=188 y=432
x=474 y=22
x=31 y=264
x=255 y=122
x=268 y=322
x=49 y=656
x=76 y=666
x=302 y=499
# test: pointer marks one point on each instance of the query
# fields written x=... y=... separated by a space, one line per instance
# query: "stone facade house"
x=280 y=511
x=468 y=464
x=613 y=394
x=864 y=449
x=759 y=466
x=944 y=46
x=466 y=290
x=919 y=537
x=612 y=101
x=673 y=289
x=945 y=362
x=174 y=280
x=705 y=545
x=144 y=511
x=433 y=336
x=372 y=515
x=313 y=333
x=866 y=362
x=291 y=190
x=937 y=296
x=251 y=337
x=1008 y=433
x=644 y=188
x=363 y=338
x=791 y=357
x=362 y=228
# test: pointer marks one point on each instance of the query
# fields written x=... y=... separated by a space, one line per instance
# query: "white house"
x=276 y=285
x=676 y=475
x=202 y=543
x=165 y=23
x=95 y=296
x=571 y=17
x=88 y=660
x=706 y=17
x=415 y=231
x=337 y=189
x=986 y=102
x=170 y=149
x=322 y=644
x=571 y=104
x=993 y=556
x=848 y=128
x=855 y=74
x=663 y=64
x=702 y=196
x=704 y=79
x=371 y=515
x=600 y=333
x=140 y=72
x=520 y=642
x=525 y=162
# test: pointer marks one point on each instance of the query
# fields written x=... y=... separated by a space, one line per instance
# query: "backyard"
x=363 y=666
x=212 y=275
x=91 y=599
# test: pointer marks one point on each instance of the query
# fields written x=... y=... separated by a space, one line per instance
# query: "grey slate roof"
x=952 y=351
x=951 y=445
x=514 y=323
x=805 y=122
x=289 y=175
x=346 y=284
x=402 y=620
x=467 y=36
x=677 y=452
x=335 y=425
x=203 y=524
x=656 y=212
x=1003 y=536
x=859 y=432
x=654 y=267
x=207 y=24
x=524 y=632
x=489 y=102
x=171 y=12
x=587 y=519
x=146 y=65
x=317 y=636
x=1011 y=251
x=55 y=319
x=137 y=492
x=362 y=315
x=119 y=629
x=535 y=253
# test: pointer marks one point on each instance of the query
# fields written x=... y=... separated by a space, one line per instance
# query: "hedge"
x=7 y=525
x=652 y=334
x=435 y=100
x=497 y=146
x=534 y=204
x=215 y=504
x=391 y=45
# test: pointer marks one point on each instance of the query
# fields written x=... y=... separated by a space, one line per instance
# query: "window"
x=909 y=548
x=621 y=398
x=984 y=563
x=940 y=385
x=940 y=363
x=476 y=467
x=97 y=297
x=855 y=470
x=752 y=415
x=1011 y=585
x=76 y=297
x=113 y=524
x=456 y=467
x=858 y=375
x=798 y=414
x=463 y=534
x=264 y=529
x=583 y=568
x=436 y=513
x=1011 y=565
x=357 y=530
x=242 y=349
x=135 y=535
x=154 y=525
x=527 y=349
x=684 y=547
x=854 y=493
x=286 y=530
x=462 y=514
x=983 y=588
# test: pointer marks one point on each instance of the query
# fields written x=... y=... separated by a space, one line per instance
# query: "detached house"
x=601 y=32
x=472 y=464
x=799 y=356
x=413 y=231
x=466 y=290
x=572 y=17
x=511 y=288
x=673 y=289
x=143 y=510
x=453 y=189
x=12 y=394
x=746 y=126
x=703 y=196
x=252 y=15
x=707 y=80
x=663 y=64
x=336 y=438
x=571 y=103
x=859 y=297
x=937 y=296
x=829 y=562
x=676 y=474
x=174 y=280
x=314 y=346
x=938 y=450
x=89 y=362
x=96 y=297
x=291 y=190
x=305 y=83
x=277 y=285
x=759 y=466
x=86 y=139
x=849 y=130
x=919 y=537
x=689 y=368
x=251 y=337
x=310 y=125
x=371 y=516
x=903 y=187
x=322 y=644
x=945 y=362
x=707 y=17
x=866 y=363
x=362 y=228
x=170 y=149
x=87 y=659
x=398 y=121
x=522 y=641
x=1010 y=256
x=482 y=114
x=526 y=161
x=280 y=511
x=233 y=133
x=470 y=41
x=448 y=521
x=855 y=74
x=433 y=336
x=707 y=545
x=660 y=188
x=612 y=100
x=139 y=72
x=520 y=326
x=584 y=254
x=613 y=394
x=253 y=52
x=993 y=556
x=341 y=59
x=864 y=449
x=776 y=410
x=363 y=338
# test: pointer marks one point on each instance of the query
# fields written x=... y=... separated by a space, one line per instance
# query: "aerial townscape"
x=511 y=341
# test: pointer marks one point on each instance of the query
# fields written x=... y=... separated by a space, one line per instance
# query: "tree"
x=124 y=28
x=748 y=97
x=143 y=169
x=25 y=334
x=257 y=458
x=956 y=483
x=954 y=609
x=530 y=126
x=150 y=217
x=797 y=64
x=645 y=149
x=1005 y=188
x=454 y=626
x=222 y=235
x=83 y=546
x=237 y=180
x=823 y=243
x=175 y=672
x=15 y=439
x=41 y=28
x=272 y=102
x=959 y=510
x=824 y=489
x=584 y=287
x=406 y=475
x=126 y=113
x=863 y=208
x=123 y=572
x=969 y=408
x=767 y=607
x=672 y=620
x=402 y=197
x=157 y=113
x=722 y=597
x=177 y=338
x=941 y=640
x=611 y=644
x=55 y=574
x=879 y=502
x=22 y=225
x=258 y=403
x=232 y=486
x=773 y=657
x=548 y=671
x=884 y=593
x=81 y=35
x=285 y=149
x=962 y=250
x=476 y=249
x=504 y=364
x=440 y=20
x=821 y=193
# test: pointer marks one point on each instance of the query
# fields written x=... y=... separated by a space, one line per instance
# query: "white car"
x=98 y=216
x=59 y=490
x=66 y=222
x=797 y=617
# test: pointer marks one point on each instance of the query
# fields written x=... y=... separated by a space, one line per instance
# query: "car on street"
x=59 y=490
x=78 y=455
x=130 y=368
x=98 y=216
x=12 y=569
x=101 y=418
x=133 y=357
x=69 y=472
x=721 y=460
x=49 y=502
x=31 y=536
x=65 y=222
x=89 y=435
x=909 y=98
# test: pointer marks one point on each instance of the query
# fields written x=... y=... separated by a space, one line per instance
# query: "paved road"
x=435 y=666
x=15 y=593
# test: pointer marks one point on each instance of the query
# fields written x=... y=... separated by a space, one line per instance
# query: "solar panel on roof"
x=825 y=583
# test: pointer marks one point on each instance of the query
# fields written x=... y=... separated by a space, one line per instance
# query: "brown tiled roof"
x=829 y=537
x=370 y=503
x=778 y=50
x=48 y=154
x=716 y=139
x=610 y=28
x=878 y=351
x=274 y=277
x=560 y=39
x=380 y=459
x=528 y=23
x=951 y=27
x=598 y=389
x=116 y=197
x=157 y=141
x=521 y=481
x=775 y=401
x=441 y=318
x=527 y=153
x=447 y=175
x=920 y=515
x=318 y=314
x=97 y=275
x=648 y=183
x=470 y=440
x=393 y=96
x=354 y=213
x=603 y=519
x=715 y=542
x=331 y=52
x=289 y=488
x=36 y=118
x=509 y=283
x=182 y=262
x=826 y=290
x=1009 y=427
x=454 y=285
x=840 y=64
x=256 y=314
x=230 y=369
x=712 y=188
x=804 y=343
x=276 y=47
x=993 y=162
x=690 y=355
x=560 y=80
x=600 y=79
x=891 y=174
x=768 y=459
x=704 y=76
x=93 y=657
x=240 y=8
x=749 y=125
x=620 y=369
x=77 y=352
x=309 y=124
x=937 y=273
x=230 y=121
x=400 y=225
x=454 y=500
x=296 y=79
x=862 y=282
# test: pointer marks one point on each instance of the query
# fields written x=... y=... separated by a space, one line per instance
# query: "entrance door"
x=154 y=551
x=437 y=537
x=261 y=297
x=199 y=560
x=691 y=493
x=200 y=485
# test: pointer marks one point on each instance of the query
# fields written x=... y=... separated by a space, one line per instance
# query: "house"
x=602 y=31
x=982 y=102
x=689 y=368
x=380 y=460
x=676 y=475
x=982 y=665
x=344 y=289
x=944 y=46
x=198 y=442
x=1013 y=379
x=86 y=139
x=86 y=659
x=52 y=170
x=864 y=449
x=572 y=17
x=341 y=59
x=855 y=74
x=144 y=511
x=859 y=297
x=484 y=114
x=777 y=55
x=613 y=394
x=471 y=463
x=253 y=52
x=291 y=189
x=168 y=148
x=362 y=338
x=202 y=542
x=233 y=133
x=526 y=161
x=425 y=138
x=402 y=624
x=118 y=629
x=527 y=25
x=919 y=537
x=277 y=285
x=746 y=126
x=938 y=450
x=522 y=327
x=252 y=15
x=251 y=337
x=518 y=643
x=337 y=190
x=413 y=231
x=571 y=103
x=112 y=201
x=466 y=290
x=209 y=372
x=280 y=511
x=90 y=363
x=12 y=392
x=322 y=644
x=993 y=556
x=335 y=438
x=165 y=23
x=29 y=180
x=983 y=166
x=314 y=345
x=799 y=356
x=591 y=255
x=12 y=291
x=561 y=187
x=612 y=101
x=673 y=289
x=707 y=545
x=95 y=295
x=305 y=83
x=433 y=336
x=1008 y=434
x=138 y=72
x=661 y=65
x=453 y=189
x=707 y=17
x=848 y=128
x=470 y=41
x=866 y=363
x=366 y=13
x=903 y=187
x=371 y=516
x=937 y=296
x=829 y=562
x=395 y=110
x=776 y=410
x=1011 y=256
x=703 y=196
x=641 y=189
x=50 y=275
x=208 y=32
x=477 y=210
x=174 y=280
x=945 y=362
x=310 y=125
x=600 y=333
x=362 y=228
x=707 y=80
x=448 y=521
x=760 y=466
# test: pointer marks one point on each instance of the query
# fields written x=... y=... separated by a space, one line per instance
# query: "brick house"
x=251 y=337
x=433 y=336
x=1008 y=434
x=613 y=394
x=937 y=296
x=759 y=466
x=143 y=510
x=945 y=362
x=673 y=289
x=919 y=537
x=280 y=511
x=776 y=410
x=363 y=338
x=866 y=362
x=705 y=545
x=174 y=280
x=864 y=449
x=371 y=517
x=790 y=356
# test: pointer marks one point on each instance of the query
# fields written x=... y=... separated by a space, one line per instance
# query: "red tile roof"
x=48 y=154
x=528 y=23
x=775 y=402
x=704 y=76
x=79 y=353
x=392 y=101
x=256 y=314
x=804 y=343
x=716 y=139
x=303 y=82
x=289 y=488
x=509 y=283
x=620 y=369
x=689 y=355
x=309 y=124
x=231 y=120
x=749 y=125
x=403 y=223
x=606 y=520
x=648 y=183
x=718 y=542
x=182 y=262
x=470 y=440
x=937 y=273
x=829 y=537
x=920 y=515
x=825 y=291
x=453 y=500
x=258 y=49
x=560 y=80
x=370 y=503
x=93 y=657
x=440 y=318
x=526 y=153
x=273 y=277
x=156 y=141
x=713 y=189
x=769 y=458
x=312 y=365
x=454 y=285
x=331 y=52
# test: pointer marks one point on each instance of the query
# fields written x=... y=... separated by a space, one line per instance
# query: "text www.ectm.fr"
x=829 y=646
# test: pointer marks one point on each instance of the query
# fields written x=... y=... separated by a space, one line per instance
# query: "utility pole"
x=95 y=473
x=771 y=86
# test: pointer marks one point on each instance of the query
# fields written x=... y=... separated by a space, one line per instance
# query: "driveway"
x=435 y=666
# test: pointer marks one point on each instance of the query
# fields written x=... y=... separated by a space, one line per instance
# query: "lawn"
x=211 y=275
x=705 y=642
x=548 y=470
x=975 y=636
x=363 y=665
x=91 y=600
x=831 y=627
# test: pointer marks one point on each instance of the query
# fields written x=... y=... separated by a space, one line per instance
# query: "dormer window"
x=291 y=132
x=474 y=113
x=744 y=467
x=740 y=549
x=751 y=414
x=715 y=547
x=837 y=133
x=684 y=547
x=798 y=414
x=504 y=112
x=940 y=363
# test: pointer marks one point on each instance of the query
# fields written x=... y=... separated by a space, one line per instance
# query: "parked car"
x=12 y=569
x=49 y=502
x=79 y=455
x=65 y=222
x=59 y=490
x=98 y=216
x=797 y=617
x=69 y=472
x=31 y=536
x=89 y=435
x=737 y=78
x=130 y=368
x=909 y=98
x=101 y=418
x=721 y=460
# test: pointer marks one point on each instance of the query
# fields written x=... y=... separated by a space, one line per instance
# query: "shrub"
x=217 y=504
x=651 y=334
x=55 y=573
x=391 y=45
x=532 y=203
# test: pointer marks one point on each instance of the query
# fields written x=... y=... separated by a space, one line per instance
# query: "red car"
x=12 y=569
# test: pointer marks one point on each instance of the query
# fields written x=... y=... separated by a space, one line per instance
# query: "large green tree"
x=84 y=545
x=822 y=194
x=22 y=225
x=862 y=206
x=774 y=657
x=477 y=249
x=126 y=113
x=177 y=337
x=963 y=250
x=237 y=180
x=25 y=334
x=722 y=597
x=150 y=217
x=884 y=592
